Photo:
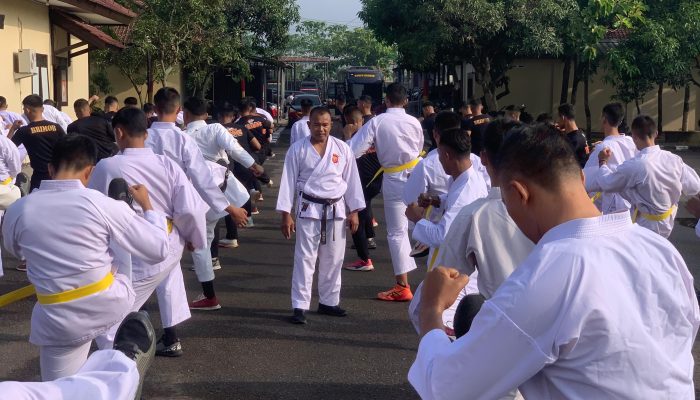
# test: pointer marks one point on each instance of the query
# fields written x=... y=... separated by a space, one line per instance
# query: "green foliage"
x=344 y=46
x=99 y=82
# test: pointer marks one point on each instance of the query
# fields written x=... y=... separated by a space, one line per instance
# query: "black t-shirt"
x=257 y=125
x=366 y=118
x=577 y=140
x=477 y=126
x=242 y=135
x=99 y=130
x=367 y=166
x=39 y=138
x=428 y=124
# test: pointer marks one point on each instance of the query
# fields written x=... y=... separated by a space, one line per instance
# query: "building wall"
x=122 y=87
x=537 y=84
x=78 y=79
x=26 y=27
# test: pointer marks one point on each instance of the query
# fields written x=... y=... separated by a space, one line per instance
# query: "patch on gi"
x=335 y=158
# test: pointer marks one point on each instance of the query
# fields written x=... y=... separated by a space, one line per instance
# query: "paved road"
x=248 y=350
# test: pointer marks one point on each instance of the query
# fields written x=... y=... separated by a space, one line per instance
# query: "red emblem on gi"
x=335 y=158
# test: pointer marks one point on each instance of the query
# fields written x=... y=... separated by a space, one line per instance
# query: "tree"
x=130 y=62
x=488 y=34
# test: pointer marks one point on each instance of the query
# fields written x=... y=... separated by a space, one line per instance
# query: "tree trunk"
x=574 y=86
x=660 y=103
x=686 y=107
x=484 y=78
x=639 y=108
x=565 y=81
x=149 y=77
x=586 y=105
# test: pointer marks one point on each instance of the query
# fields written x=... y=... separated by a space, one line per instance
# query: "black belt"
x=325 y=203
x=223 y=163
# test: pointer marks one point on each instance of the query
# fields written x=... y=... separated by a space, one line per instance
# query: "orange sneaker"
x=397 y=293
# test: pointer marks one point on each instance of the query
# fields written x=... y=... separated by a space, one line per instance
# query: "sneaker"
x=360 y=265
x=374 y=223
x=250 y=223
x=298 y=317
x=22 y=267
x=174 y=350
x=420 y=250
x=397 y=293
x=270 y=184
x=254 y=211
x=232 y=243
x=204 y=304
x=333 y=311
x=371 y=243
x=215 y=264
x=136 y=338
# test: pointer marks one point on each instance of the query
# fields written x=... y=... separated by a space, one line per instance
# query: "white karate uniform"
x=623 y=149
x=9 y=118
x=265 y=114
x=10 y=166
x=173 y=195
x=300 y=130
x=214 y=141
x=600 y=309
x=331 y=176
x=81 y=223
x=427 y=177
x=167 y=139
x=398 y=139
x=106 y=375
x=652 y=182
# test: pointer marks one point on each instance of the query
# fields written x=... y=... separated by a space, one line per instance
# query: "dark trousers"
x=231 y=228
x=366 y=230
x=215 y=243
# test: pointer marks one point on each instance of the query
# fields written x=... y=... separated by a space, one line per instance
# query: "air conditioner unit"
x=26 y=62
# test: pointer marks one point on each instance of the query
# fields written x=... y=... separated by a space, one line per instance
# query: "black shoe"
x=136 y=338
x=334 y=311
x=299 y=317
x=371 y=243
x=173 y=350
x=22 y=182
x=119 y=190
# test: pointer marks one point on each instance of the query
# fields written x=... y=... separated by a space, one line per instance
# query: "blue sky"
x=331 y=11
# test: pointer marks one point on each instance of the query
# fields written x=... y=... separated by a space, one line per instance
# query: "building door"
x=40 y=81
x=60 y=81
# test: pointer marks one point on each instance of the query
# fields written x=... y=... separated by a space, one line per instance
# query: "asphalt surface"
x=249 y=350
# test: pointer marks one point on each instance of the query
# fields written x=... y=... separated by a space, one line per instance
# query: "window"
x=40 y=81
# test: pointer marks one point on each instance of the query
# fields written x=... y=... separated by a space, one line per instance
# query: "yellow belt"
x=433 y=258
x=596 y=196
x=56 y=298
x=169 y=223
x=397 y=169
x=652 y=217
x=6 y=181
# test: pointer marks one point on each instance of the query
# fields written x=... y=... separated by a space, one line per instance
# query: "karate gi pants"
x=397 y=224
x=201 y=258
x=307 y=250
x=62 y=361
x=106 y=375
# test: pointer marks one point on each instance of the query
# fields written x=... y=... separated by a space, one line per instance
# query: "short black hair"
x=494 y=134
x=614 y=113
x=111 y=100
x=340 y=97
x=319 y=110
x=33 y=101
x=80 y=104
x=366 y=98
x=457 y=141
x=3 y=101
x=644 y=126
x=538 y=153
x=427 y=104
x=73 y=153
x=167 y=100
x=195 y=106
x=544 y=118
x=132 y=120
x=396 y=93
x=228 y=111
x=474 y=102
x=131 y=101
x=351 y=112
x=149 y=107
x=567 y=111
x=252 y=101
x=511 y=107
x=445 y=120
x=246 y=105
x=306 y=104
x=49 y=102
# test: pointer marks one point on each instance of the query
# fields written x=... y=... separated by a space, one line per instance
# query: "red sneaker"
x=397 y=293
x=204 y=304
x=360 y=265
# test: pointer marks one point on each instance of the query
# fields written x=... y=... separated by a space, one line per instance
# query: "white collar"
x=61 y=184
x=604 y=225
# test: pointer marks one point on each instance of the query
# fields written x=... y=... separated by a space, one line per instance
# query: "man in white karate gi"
x=215 y=142
x=622 y=148
x=652 y=181
x=79 y=294
x=10 y=166
x=165 y=138
x=300 y=129
x=320 y=175
x=171 y=194
x=600 y=309
x=398 y=140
